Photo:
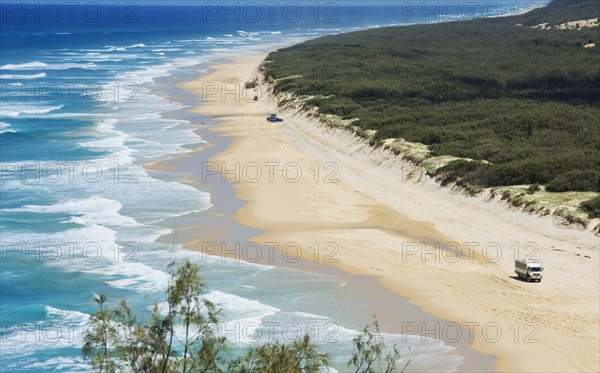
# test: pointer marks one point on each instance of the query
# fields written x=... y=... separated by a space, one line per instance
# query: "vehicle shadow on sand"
x=521 y=279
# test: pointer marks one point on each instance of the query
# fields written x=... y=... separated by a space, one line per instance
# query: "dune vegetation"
x=517 y=105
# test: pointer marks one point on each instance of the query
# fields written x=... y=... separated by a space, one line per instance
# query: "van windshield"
x=535 y=269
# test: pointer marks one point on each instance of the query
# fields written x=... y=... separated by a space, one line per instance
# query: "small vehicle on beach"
x=529 y=269
x=274 y=119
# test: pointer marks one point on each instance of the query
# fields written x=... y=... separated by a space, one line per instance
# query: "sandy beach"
x=368 y=212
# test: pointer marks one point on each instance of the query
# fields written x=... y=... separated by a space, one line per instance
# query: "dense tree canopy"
x=524 y=102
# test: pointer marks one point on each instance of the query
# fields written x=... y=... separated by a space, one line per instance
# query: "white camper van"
x=529 y=269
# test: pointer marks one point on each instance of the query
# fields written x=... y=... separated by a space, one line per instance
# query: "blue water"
x=79 y=114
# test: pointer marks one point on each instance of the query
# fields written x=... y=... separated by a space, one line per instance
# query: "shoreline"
x=382 y=302
x=366 y=225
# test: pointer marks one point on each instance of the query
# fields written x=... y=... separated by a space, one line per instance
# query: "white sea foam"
x=305 y=315
x=4 y=126
x=59 y=329
x=23 y=77
x=92 y=210
x=113 y=48
x=13 y=111
x=148 y=134
x=110 y=139
x=69 y=317
x=68 y=115
x=108 y=57
x=44 y=66
x=101 y=225
x=59 y=364
x=110 y=48
x=24 y=66
x=80 y=247
x=248 y=33
x=134 y=276
x=241 y=310
x=148 y=74
x=216 y=261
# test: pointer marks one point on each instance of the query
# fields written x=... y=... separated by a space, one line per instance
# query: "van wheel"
x=528 y=278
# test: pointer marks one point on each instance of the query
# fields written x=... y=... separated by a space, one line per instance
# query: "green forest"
x=523 y=103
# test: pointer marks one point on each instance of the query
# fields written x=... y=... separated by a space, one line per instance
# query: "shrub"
x=575 y=180
x=592 y=207
x=533 y=188
x=472 y=172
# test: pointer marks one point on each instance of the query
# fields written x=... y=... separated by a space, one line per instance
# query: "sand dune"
x=386 y=224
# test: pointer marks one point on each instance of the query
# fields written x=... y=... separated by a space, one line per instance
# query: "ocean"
x=85 y=104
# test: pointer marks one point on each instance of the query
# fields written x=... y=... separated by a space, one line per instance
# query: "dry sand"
x=383 y=224
x=573 y=25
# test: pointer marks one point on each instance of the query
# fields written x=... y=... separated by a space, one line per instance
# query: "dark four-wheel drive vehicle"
x=273 y=118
